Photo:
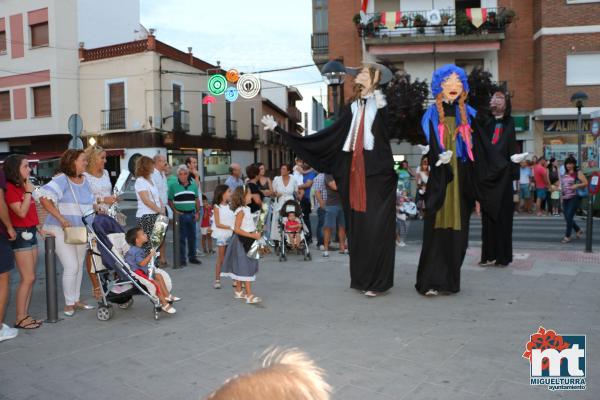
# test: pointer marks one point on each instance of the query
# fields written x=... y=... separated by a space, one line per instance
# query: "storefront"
x=560 y=140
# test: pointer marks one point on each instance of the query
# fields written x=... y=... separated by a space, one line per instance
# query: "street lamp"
x=578 y=100
x=334 y=73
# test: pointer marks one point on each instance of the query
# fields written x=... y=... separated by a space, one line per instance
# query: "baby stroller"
x=118 y=282
x=291 y=206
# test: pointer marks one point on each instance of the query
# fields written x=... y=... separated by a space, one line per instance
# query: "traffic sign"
x=75 y=125
x=594 y=184
x=76 y=143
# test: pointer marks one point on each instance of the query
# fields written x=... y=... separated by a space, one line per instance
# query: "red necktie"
x=497 y=132
x=358 y=187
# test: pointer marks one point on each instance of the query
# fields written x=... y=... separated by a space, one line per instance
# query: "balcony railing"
x=448 y=22
x=231 y=128
x=320 y=42
x=294 y=113
x=114 y=119
x=208 y=125
x=181 y=121
x=255 y=132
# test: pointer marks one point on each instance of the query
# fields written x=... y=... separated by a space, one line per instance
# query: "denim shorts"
x=7 y=260
x=541 y=193
x=524 y=191
x=22 y=244
x=334 y=214
x=223 y=242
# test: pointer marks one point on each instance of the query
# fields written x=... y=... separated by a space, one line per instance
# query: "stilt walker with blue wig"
x=463 y=169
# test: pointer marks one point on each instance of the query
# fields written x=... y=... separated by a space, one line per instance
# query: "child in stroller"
x=292 y=230
x=139 y=263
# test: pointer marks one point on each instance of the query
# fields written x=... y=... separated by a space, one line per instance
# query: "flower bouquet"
x=260 y=247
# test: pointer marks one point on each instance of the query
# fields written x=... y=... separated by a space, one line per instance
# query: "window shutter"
x=2 y=41
x=39 y=35
x=41 y=101
x=117 y=95
x=4 y=105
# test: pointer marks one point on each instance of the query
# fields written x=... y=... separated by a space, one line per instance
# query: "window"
x=582 y=69
x=2 y=37
x=39 y=35
x=4 y=106
x=320 y=16
x=116 y=95
x=177 y=93
x=41 y=101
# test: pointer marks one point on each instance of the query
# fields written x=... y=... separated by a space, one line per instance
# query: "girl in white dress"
x=222 y=227
x=285 y=188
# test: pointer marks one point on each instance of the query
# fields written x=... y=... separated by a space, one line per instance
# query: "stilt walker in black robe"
x=496 y=235
x=356 y=151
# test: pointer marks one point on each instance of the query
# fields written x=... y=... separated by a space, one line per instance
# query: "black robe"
x=371 y=235
x=496 y=234
x=444 y=249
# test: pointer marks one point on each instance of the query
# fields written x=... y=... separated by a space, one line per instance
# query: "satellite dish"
x=434 y=17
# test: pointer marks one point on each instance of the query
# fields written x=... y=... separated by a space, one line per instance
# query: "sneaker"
x=217 y=285
x=401 y=244
x=195 y=261
x=344 y=252
x=432 y=292
x=325 y=253
x=322 y=248
x=7 y=333
x=199 y=253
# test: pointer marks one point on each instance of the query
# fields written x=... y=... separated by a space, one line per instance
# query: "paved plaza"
x=398 y=346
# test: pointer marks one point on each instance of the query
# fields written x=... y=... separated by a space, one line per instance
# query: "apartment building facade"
x=529 y=46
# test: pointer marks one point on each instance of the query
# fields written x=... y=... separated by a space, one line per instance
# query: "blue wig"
x=431 y=116
x=442 y=73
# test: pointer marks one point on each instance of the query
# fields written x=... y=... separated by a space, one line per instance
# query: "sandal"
x=565 y=240
x=238 y=295
x=252 y=299
x=169 y=309
x=217 y=284
x=33 y=324
x=174 y=299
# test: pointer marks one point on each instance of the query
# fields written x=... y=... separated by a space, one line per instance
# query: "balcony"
x=208 y=125
x=443 y=27
x=320 y=46
x=114 y=119
x=231 y=128
x=255 y=132
x=181 y=121
x=294 y=113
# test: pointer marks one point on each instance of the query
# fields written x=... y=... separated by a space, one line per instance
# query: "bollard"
x=176 y=233
x=51 y=288
x=589 y=224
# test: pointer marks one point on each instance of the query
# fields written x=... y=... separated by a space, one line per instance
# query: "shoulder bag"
x=75 y=234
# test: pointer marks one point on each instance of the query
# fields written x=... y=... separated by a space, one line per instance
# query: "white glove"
x=445 y=158
x=517 y=158
x=269 y=122
x=424 y=149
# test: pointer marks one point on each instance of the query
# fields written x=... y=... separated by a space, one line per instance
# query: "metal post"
x=589 y=224
x=334 y=89
x=176 y=233
x=51 y=289
x=579 y=137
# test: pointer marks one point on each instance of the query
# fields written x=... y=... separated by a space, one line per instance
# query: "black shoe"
x=195 y=261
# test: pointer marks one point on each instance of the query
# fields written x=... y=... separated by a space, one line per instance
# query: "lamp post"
x=578 y=99
x=334 y=73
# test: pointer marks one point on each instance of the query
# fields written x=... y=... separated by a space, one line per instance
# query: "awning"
x=49 y=155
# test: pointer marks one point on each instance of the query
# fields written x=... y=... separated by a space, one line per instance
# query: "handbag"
x=75 y=234
x=581 y=192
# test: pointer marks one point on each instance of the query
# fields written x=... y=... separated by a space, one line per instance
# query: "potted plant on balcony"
x=357 y=22
x=420 y=22
x=404 y=21
x=508 y=16
x=463 y=25
x=445 y=19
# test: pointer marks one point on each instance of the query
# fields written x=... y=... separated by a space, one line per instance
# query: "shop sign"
x=566 y=126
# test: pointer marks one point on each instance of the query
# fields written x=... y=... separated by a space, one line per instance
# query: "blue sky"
x=242 y=34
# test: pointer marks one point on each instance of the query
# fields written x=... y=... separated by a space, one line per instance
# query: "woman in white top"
x=422 y=178
x=149 y=205
x=285 y=187
x=99 y=181
x=222 y=227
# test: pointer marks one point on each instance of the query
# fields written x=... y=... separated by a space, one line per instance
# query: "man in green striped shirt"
x=183 y=199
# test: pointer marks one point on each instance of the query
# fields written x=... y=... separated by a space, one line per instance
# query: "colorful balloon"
x=217 y=84
x=209 y=100
x=248 y=86
x=232 y=75
x=231 y=94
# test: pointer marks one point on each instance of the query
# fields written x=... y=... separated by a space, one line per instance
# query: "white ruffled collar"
x=373 y=101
